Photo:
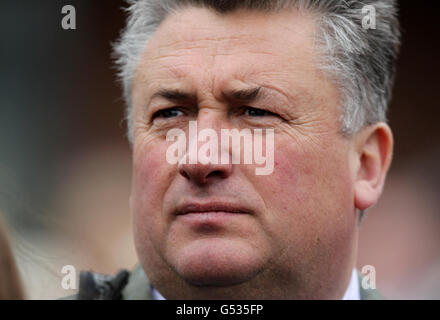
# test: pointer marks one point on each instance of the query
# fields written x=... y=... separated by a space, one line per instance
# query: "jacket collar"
x=138 y=286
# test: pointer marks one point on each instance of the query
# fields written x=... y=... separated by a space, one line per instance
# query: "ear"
x=373 y=148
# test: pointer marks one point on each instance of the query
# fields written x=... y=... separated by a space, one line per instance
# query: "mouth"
x=211 y=216
x=211 y=208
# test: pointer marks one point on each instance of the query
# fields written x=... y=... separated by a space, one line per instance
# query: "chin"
x=217 y=262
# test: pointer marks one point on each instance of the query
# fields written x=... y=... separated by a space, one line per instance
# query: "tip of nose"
x=202 y=176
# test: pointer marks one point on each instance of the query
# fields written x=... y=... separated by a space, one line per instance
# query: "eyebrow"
x=174 y=95
x=243 y=95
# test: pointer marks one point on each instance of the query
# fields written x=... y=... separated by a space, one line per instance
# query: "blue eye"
x=168 y=113
x=254 y=112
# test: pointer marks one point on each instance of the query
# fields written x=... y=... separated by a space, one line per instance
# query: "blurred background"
x=65 y=165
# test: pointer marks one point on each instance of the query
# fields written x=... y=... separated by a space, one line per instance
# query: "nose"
x=203 y=172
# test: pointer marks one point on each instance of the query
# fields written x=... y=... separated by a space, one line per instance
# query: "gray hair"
x=361 y=61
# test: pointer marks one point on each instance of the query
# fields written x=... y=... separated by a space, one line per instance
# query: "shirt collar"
x=157 y=295
x=353 y=290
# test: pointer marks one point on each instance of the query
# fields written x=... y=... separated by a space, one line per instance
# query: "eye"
x=255 y=112
x=168 y=113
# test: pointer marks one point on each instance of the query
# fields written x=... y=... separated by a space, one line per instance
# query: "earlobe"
x=365 y=195
x=374 y=146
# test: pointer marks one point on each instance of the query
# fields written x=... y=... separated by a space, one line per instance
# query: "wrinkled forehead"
x=243 y=42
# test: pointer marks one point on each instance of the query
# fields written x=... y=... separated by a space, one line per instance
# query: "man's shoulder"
x=124 y=285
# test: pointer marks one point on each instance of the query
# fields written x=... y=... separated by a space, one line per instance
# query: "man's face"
x=295 y=235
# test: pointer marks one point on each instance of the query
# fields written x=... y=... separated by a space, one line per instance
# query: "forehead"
x=199 y=46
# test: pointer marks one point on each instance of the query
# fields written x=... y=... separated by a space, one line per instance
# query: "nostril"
x=185 y=174
x=202 y=174
x=215 y=173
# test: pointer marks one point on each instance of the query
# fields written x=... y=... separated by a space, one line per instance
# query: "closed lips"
x=210 y=207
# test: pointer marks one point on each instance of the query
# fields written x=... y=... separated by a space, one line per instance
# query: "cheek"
x=148 y=168
x=308 y=205
x=309 y=189
x=291 y=181
x=151 y=176
x=313 y=173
